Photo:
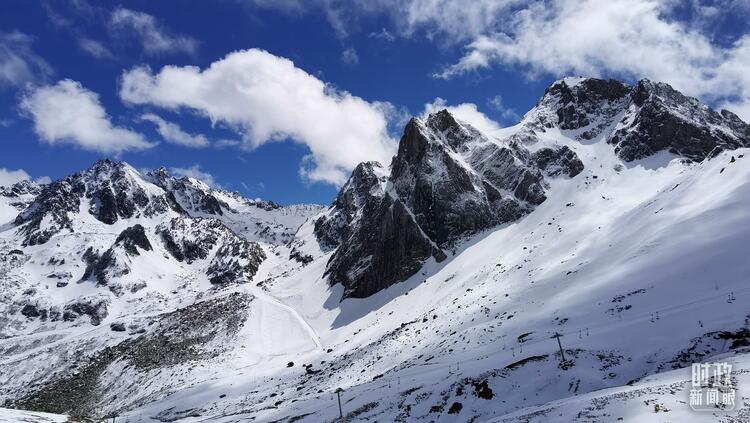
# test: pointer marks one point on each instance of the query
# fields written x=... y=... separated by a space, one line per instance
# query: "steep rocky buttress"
x=449 y=180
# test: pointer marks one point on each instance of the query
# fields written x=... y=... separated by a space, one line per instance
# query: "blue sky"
x=325 y=83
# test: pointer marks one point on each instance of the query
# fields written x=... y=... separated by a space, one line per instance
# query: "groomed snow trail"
x=267 y=298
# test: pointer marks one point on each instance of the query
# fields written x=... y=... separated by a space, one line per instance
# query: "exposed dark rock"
x=456 y=408
x=113 y=262
x=235 y=260
x=117 y=327
x=211 y=205
x=95 y=308
x=667 y=120
x=447 y=181
x=361 y=190
x=31 y=311
x=582 y=102
x=114 y=190
x=300 y=257
x=388 y=246
x=639 y=120
x=482 y=390
x=132 y=237
x=175 y=338
x=194 y=196
x=561 y=161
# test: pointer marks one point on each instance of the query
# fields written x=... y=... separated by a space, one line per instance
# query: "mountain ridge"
x=486 y=182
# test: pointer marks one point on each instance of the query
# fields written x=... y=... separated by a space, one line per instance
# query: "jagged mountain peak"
x=448 y=180
x=20 y=188
x=440 y=127
x=639 y=120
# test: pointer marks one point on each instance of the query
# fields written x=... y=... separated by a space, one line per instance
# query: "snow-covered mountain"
x=430 y=289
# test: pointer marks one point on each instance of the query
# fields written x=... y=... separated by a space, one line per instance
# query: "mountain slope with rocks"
x=614 y=215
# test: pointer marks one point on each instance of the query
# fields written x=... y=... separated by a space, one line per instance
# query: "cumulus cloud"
x=19 y=64
x=466 y=112
x=683 y=43
x=154 y=38
x=9 y=177
x=68 y=113
x=266 y=98
x=632 y=38
x=589 y=37
x=195 y=172
x=172 y=133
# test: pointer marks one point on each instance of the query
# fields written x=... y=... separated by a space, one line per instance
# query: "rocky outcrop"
x=115 y=261
x=638 y=120
x=556 y=162
x=192 y=195
x=234 y=259
x=133 y=238
x=111 y=191
x=364 y=189
x=447 y=181
x=664 y=119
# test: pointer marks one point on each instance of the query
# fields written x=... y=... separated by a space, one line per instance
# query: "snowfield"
x=634 y=267
x=15 y=416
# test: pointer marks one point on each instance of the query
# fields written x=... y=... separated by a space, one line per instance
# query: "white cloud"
x=350 y=56
x=18 y=62
x=69 y=113
x=633 y=38
x=589 y=37
x=95 y=48
x=466 y=112
x=698 y=46
x=266 y=98
x=154 y=38
x=195 y=172
x=447 y=21
x=10 y=177
x=507 y=113
x=172 y=133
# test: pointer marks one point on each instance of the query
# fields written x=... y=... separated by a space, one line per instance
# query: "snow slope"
x=632 y=263
x=15 y=416
x=661 y=397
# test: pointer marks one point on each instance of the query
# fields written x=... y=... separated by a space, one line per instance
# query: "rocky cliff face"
x=108 y=191
x=638 y=120
x=447 y=181
x=110 y=234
